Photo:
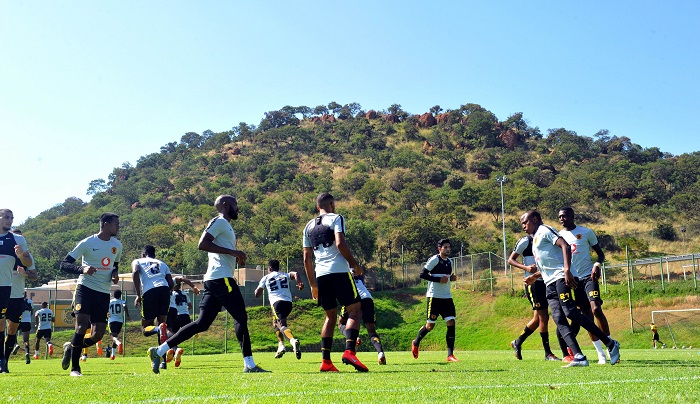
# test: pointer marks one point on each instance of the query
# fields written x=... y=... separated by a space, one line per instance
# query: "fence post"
x=403 y=268
x=695 y=279
x=629 y=292
x=605 y=283
x=471 y=260
x=490 y=273
x=226 y=334
x=661 y=267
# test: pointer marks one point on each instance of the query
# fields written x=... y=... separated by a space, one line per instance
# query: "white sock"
x=599 y=347
x=163 y=349
x=248 y=362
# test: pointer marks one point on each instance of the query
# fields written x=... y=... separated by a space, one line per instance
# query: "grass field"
x=662 y=376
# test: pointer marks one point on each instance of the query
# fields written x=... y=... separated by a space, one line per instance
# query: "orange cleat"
x=178 y=357
x=50 y=349
x=414 y=349
x=163 y=332
x=349 y=358
x=452 y=358
x=328 y=366
x=120 y=348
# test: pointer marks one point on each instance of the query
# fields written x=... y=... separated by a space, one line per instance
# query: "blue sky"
x=86 y=86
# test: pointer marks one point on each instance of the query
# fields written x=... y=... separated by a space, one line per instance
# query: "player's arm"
x=530 y=279
x=261 y=286
x=566 y=251
x=309 y=269
x=258 y=291
x=426 y=272
x=206 y=243
x=297 y=279
x=187 y=282
x=68 y=265
x=136 y=278
x=595 y=272
x=22 y=252
x=169 y=279
x=115 y=273
x=53 y=318
x=513 y=261
x=347 y=254
x=36 y=320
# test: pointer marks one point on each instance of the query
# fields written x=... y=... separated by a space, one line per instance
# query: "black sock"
x=88 y=342
x=450 y=339
x=376 y=342
x=562 y=344
x=523 y=336
x=326 y=345
x=76 y=345
x=545 y=343
x=421 y=334
x=10 y=342
x=351 y=339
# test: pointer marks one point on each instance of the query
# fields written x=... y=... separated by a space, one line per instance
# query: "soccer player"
x=582 y=240
x=220 y=288
x=13 y=252
x=553 y=257
x=117 y=312
x=535 y=290
x=655 y=336
x=179 y=312
x=280 y=297
x=44 y=317
x=25 y=326
x=100 y=255
x=153 y=282
x=438 y=272
x=331 y=281
x=368 y=318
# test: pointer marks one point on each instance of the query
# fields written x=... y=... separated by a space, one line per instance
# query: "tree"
x=96 y=186
x=435 y=110
x=370 y=192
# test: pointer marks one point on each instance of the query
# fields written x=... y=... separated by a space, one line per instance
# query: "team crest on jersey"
x=579 y=236
x=114 y=250
x=433 y=316
x=78 y=307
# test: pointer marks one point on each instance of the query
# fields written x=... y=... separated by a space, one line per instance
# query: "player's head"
x=566 y=217
x=444 y=246
x=118 y=294
x=44 y=305
x=109 y=222
x=6 y=218
x=177 y=285
x=273 y=266
x=530 y=221
x=148 y=251
x=326 y=202
x=16 y=231
x=228 y=206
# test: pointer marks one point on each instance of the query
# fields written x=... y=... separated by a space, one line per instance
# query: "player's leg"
x=559 y=316
x=431 y=315
x=448 y=313
x=370 y=322
x=4 y=303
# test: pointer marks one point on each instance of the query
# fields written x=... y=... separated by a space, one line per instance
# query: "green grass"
x=481 y=376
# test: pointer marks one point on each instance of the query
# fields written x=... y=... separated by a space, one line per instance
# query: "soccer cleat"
x=178 y=357
x=516 y=350
x=111 y=357
x=36 y=356
x=577 y=362
x=169 y=355
x=163 y=332
x=349 y=358
x=120 y=348
x=15 y=349
x=381 y=358
x=3 y=366
x=452 y=358
x=551 y=357
x=75 y=373
x=414 y=349
x=255 y=369
x=99 y=348
x=570 y=357
x=26 y=359
x=65 y=360
x=614 y=353
x=155 y=359
x=50 y=349
x=328 y=366
x=83 y=358
x=280 y=353
x=163 y=365
x=296 y=346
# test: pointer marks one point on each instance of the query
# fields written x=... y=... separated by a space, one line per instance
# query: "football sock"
x=248 y=362
x=10 y=342
x=326 y=345
x=523 y=336
x=88 y=342
x=545 y=343
x=2 y=338
x=562 y=345
x=279 y=335
x=351 y=339
x=376 y=342
x=421 y=334
x=162 y=349
x=450 y=339
x=287 y=333
x=76 y=343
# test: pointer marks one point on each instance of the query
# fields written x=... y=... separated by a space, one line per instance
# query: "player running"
x=117 y=313
x=44 y=317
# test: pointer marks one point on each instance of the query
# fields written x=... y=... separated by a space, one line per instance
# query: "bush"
x=665 y=231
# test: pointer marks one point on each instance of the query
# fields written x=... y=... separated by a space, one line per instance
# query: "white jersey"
x=548 y=256
x=439 y=267
x=221 y=265
x=27 y=313
x=277 y=285
x=524 y=248
x=361 y=288
x=116 y=310
x=101 y=255
x=581 y=240
x=152 y=273
x=8 y=258
x=18 y=283
x=328 y=258
x=180 y=302
x=45 y=317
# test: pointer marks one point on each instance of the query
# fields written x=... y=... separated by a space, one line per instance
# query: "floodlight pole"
x=501 y=180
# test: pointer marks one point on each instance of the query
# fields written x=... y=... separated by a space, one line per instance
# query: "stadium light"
x=501 y=180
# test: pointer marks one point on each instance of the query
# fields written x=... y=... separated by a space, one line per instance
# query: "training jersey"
x=116 y=310
x=27 y=313
x=581 y=240
x=524 y=248
x=179 y=301
x=45 y=317
x=548 y=255
x=18 y=283
x=8 y=258
x=221 y=265
x=653 y=328
x=152 y=273
x=328 y=258
x=277 y=285
x=361 y=288
x=439 y=267
x=101 y=255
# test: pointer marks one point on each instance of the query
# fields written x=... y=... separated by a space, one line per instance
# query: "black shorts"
x=440 y=307
x=93 y=303
x=25 y=326
x=155 y=302
x=115 y=327
x=281 y=309
x=368 y=316
x=591 y=288
x=177 y=321
x=656 y=336
x=15 y=309
x=558 y=290
x=336 y=289
x=4 y=299
x=44 y=334
x=537 y=295
x=172 y=318
x=223 y=293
